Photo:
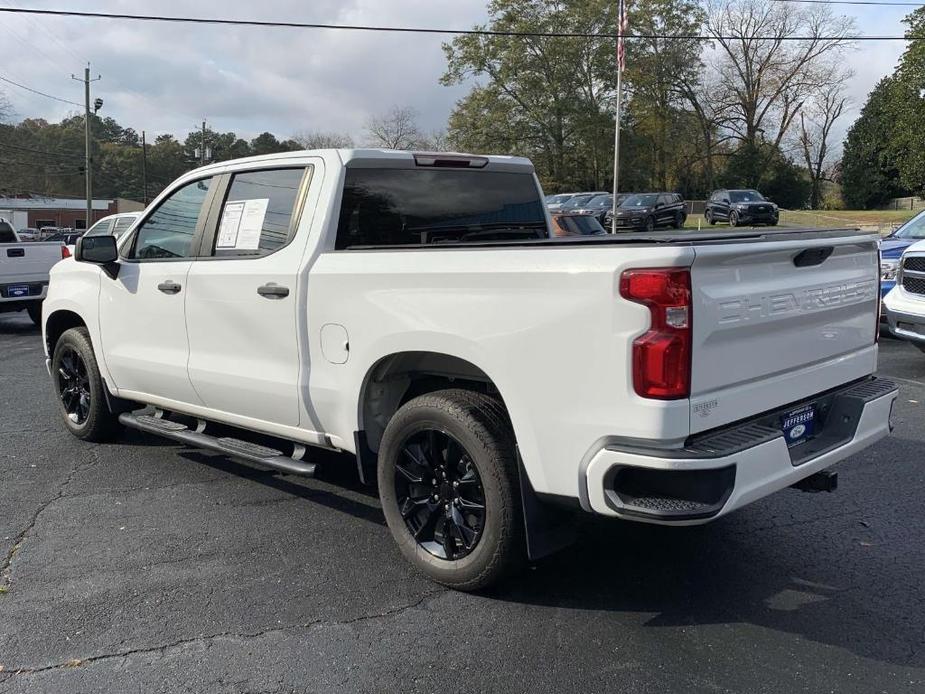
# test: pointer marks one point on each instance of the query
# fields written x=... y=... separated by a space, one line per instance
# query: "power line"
x=855 y=2
x=35 y=91
x=65 y=155
x=425 y=30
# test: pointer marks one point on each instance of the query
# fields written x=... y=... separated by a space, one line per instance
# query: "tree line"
x=884 y=154
x=746 y=108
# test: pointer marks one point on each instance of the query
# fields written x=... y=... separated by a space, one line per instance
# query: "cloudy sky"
x=163 y=77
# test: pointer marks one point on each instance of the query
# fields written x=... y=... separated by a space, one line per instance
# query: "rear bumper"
x=724 y=470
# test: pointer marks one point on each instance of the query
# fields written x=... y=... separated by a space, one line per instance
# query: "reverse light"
x=65 y=252
x=662 y=355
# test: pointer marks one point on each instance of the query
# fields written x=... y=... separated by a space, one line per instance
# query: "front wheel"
x=79 y=388
x=709 y=217
x=650 y=224
x=448 y=482
x=733 y=218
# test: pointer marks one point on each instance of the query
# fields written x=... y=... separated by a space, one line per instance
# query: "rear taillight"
x=65 y=253
x=662 y=355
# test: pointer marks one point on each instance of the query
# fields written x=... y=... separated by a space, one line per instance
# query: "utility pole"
x=202 y=149
x=88 y=173
x=144 y=169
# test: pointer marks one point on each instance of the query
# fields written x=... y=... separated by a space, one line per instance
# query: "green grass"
x=882 y=220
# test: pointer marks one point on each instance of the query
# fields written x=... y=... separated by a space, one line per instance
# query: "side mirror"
x=98 y=250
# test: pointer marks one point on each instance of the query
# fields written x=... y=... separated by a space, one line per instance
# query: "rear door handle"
x=169 y=287
x=273 y=291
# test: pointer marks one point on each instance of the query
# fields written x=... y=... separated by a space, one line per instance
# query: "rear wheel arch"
x=399 y=377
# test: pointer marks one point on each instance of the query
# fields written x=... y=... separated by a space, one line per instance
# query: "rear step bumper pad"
x=706 y=480
x=233 y=448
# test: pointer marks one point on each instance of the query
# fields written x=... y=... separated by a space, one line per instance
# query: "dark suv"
x=647 y=211
x=740 y=207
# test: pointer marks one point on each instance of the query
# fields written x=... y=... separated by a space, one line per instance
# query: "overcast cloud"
x=168 y=77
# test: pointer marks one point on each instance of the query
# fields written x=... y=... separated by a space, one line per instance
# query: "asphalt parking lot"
x=142 y=566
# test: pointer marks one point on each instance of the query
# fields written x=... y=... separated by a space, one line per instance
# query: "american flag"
x=621 y=32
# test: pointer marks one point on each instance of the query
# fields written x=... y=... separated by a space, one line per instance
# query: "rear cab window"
x=424 y=207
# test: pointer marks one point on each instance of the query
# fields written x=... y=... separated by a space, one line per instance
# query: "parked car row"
x=649 y=211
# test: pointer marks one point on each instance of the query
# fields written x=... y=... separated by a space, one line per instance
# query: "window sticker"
x=231 y=220
x=242 y=224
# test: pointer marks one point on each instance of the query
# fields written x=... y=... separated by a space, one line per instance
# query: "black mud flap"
x=367 y=460
x=548 y=528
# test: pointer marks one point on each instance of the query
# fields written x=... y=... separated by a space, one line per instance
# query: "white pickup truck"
x=412 y=309
x=24 y=268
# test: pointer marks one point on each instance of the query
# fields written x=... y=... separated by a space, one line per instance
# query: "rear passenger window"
x=260 y=212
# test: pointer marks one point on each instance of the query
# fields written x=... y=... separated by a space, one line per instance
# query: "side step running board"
x=234 y=448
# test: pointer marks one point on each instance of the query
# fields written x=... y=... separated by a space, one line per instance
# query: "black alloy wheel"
x=74 y=386
x=440 y=494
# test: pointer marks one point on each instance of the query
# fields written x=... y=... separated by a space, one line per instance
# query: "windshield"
x=644 y=200
x=745 y=196
x=913 y=229
x=557 y=199
x=601 y=202
x=577 y=201
x=388 y=207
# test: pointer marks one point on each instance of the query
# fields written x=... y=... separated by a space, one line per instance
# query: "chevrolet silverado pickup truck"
x=24 y=269
x=414 y=310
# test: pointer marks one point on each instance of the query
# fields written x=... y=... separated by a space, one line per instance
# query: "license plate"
x=798 y=425
x=17 y=290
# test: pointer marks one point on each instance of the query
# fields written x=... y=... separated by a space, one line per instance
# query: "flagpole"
x=616 y=149
x=621 y=48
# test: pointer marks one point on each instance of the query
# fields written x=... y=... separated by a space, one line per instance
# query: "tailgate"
x=779 y=320
x=27 y=262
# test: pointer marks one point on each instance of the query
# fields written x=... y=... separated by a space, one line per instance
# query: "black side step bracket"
x=233 y=448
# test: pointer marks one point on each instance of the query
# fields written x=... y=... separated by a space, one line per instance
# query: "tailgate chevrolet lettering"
x=809 y=300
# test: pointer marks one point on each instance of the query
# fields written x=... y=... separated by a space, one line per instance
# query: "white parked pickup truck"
x=24 y=271
x=904 y=306
x=412 y=309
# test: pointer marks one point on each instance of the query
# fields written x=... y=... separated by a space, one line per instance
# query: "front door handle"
x=169 y=287
x=273 y=291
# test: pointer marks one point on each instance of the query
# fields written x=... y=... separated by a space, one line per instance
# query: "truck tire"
x=35 y=312
x=79 y=388
x=449 y=486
